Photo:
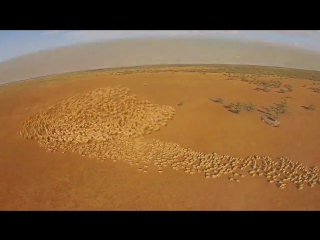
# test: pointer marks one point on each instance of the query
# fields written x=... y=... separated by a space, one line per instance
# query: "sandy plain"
x=35 y=177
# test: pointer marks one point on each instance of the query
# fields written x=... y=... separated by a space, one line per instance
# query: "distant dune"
x=138 y=52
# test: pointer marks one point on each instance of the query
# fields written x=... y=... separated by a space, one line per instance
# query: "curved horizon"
x=155 y=51
x=18 y=43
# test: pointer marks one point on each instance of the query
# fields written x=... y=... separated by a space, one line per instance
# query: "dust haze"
x=141 y=52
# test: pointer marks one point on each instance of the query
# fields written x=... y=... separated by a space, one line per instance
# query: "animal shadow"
x=230 y=110
x=214 y=100
x=264 y=111
x=233 y=111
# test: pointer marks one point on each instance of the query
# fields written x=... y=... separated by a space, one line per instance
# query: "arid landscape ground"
x=162 y=138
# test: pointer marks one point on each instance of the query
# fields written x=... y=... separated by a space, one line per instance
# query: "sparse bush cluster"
x=263 y=85
x=272 y=83
x=315 y=89
x=278 y=108
x=280 y=73
x=240 y=107
x=265 y=89
x=236 y=107
x=288 y=87
x=248 y=107
x=241 y=71
x=244 y=79
x=232 y=77
x=266 y=85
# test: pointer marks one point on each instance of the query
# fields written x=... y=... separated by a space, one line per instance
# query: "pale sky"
x=16 y=43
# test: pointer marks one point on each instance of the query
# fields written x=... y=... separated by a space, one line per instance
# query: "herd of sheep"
x=110 y=124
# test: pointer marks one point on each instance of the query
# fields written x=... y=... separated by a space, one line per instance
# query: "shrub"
x=280 y=108
x=249 y=107
x=265 y=89
x=276 y=84
x=311 y=107
x=231 y=105
x=316 y=90
x=239 y=107
x=268 y=110
x=288 y=87
x=244 y=79
x=236 y=107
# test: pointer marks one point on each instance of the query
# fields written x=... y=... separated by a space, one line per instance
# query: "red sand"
x=32 y=179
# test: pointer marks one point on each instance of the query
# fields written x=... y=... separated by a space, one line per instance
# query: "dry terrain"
x=162 y=138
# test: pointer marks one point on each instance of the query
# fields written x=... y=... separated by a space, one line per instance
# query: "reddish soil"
x=33 y=179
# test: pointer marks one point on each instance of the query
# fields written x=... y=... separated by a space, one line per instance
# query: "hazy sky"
x=15 y=43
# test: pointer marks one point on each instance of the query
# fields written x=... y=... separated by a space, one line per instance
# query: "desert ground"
x=162 y=138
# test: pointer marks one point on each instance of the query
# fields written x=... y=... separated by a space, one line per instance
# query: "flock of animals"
x=110 y=124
